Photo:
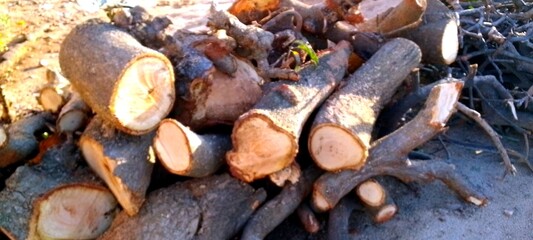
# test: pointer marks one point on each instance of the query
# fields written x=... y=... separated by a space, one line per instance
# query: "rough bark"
x=74 y=115
x=20 y=141
x=58 y=199
x=265 y=139
x=376 y=200
x=388 y=155
x=272 y=213
x=437 y=35
x=341 y=132
x=183 y=152
x=123 y=161
x=129 y=85
x=339 y=219
x=215 y=207
x=216 y=97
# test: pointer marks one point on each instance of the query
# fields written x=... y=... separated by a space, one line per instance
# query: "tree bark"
x=341 y=132
x=388 y=155
x=183 y=152
x=20 y=142
x=437 y=35
x=57 y=199
x=265 y=139
x=123 y=161
x=127 y=84
x=215 y=207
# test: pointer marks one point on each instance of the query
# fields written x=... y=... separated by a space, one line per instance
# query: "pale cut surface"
x=450 y=43
x=171 y=145
x=372 y=193
x=71 y=121
x=141 y=98
x=50 y=99
x=371 y=9
x=333 y=148
x=93 y=153
x=78 y=212
x=386 y=213
x=260 y=150
x=3 y=136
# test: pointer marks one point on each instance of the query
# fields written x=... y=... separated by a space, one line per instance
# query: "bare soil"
x=428 y=211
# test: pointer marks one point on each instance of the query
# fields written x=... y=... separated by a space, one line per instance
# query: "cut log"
x=388 y=155
x=381 y=16
x=123 y=161
x=57 y=199
x=183 y=152
x=50 y=99
x=74 y=115
x=215 y=207
x=341 y=132
x=218 y=98
x=377 y=201
x=270 y=215
x=265 y=139
x=127 y=84
x=20 y=142
x=437 y=35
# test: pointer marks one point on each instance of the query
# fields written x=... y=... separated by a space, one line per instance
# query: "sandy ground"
x=426 y=211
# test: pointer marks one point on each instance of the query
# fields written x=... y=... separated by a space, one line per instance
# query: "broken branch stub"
x=341 y=132
x=123 y=161
x=183 y=152
x=129 y=85
x=388 y=155
x=265 y=139
x=377 y=201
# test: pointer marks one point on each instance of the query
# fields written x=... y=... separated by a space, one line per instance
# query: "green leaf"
x=307 y=49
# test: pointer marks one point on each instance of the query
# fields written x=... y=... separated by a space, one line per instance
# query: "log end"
x=333 y=148
x=50 y=99
x=144 y=94
x=371 y=193
x=74 y=212
x=172 y=147
x=447 y=95
x=3 y=136
x=385 y=213
x=320 y=202
x=72 y=121
x=450 y=43
x=260 y=148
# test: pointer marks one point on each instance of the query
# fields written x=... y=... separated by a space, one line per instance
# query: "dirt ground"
x=428 y=211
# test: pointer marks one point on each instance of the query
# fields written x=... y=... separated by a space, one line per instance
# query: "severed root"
x=492 y=134
x=18 y=142
x=388 y=155
x=338 y=224
x=308 y=218
x=377 y=201
x=280 y=207
x=183 y=152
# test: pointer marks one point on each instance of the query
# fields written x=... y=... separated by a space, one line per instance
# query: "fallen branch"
x=338 y=223
x=265 y=139
x=376 y=200
x=127 y=84
x=123 y=161
x=341 y=132
x=388 y=155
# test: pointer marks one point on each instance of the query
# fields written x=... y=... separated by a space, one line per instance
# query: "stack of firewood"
x=300 y=87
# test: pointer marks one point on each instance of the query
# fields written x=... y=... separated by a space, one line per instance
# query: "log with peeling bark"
x=129 y=85
x=214 y=207
x=19 y=141
x=183 y=152
x=376 y=200
x=123 y=161
x=381 y=16
x=74 y=115
x=388 y=155
x=50 y=99
x=265 y=139
x=272 y=213
x=60 y=198
x=216 y=97
x=437 y=35
x=341 y=132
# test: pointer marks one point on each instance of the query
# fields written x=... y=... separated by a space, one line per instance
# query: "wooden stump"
x=183 y=152
x=57 y=199
x=341 y=132
x=437 y=35
x=265 y=139
x=127 y=84
x=18 y=142
x=215 y=207
x=123 y=161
